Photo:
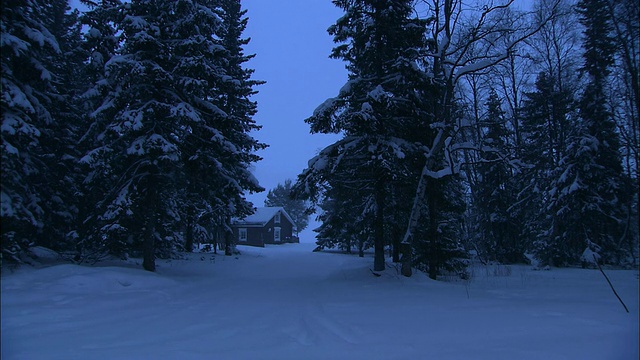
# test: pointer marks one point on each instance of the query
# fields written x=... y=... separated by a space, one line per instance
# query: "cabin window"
x=276 y=219
x=242 y=235
x=276 y=234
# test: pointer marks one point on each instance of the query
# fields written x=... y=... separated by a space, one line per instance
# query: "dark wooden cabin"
x=268 y=225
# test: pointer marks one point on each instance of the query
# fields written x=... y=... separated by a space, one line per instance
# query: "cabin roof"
x=262 y=216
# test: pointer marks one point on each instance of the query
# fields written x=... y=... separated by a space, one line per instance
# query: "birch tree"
x=455 y=30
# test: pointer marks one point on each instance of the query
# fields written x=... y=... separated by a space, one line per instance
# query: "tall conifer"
x=379 y=110
x=28 y=105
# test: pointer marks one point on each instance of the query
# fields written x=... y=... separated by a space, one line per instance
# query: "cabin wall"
x=258 y=236
x=286 y=231
x=254 y=236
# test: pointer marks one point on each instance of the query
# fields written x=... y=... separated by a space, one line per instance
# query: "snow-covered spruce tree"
x=165 y=140
x=236 y=89
x=589 y=190
x=101 y=43
x=547 y=115
x=380 y=110
x=60 y=141
x=296 y=208
x=136 y=154
x=29 y=102
x=219 y=148
x=337 y=228
x=624 y=97
x=493 y=196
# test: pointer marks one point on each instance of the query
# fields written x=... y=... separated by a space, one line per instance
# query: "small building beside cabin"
x=268 y=225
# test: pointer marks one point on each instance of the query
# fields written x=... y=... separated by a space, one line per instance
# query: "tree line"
x=485 y=131
x=125 y=128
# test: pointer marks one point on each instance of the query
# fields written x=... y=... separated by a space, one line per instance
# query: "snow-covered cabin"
x=268 y=225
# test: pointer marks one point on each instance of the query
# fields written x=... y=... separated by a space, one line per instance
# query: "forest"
x=480 y=131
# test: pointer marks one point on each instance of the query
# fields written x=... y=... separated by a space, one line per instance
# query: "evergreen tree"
x=61 y=152
x=498 y=230
x=169 y=142
x=345 y=225
x=102 y=41
x=589 y=190
x=29 y=98
x=439 y=247
x=218 y=169
x=296 y=208
x=547 y=116
x=380 y=110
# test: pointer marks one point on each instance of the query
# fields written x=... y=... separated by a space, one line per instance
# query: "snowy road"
x=285 y=302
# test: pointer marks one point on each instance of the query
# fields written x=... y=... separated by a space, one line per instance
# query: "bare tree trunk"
x=378 y=241
x=434 y=258
x=405 y=248
x=396 y=247
x=227 y=240
x=148 y=249
x=148 y=246
x=188 y=237
x=149 y=257
x=418 y=201
x=216 y=238
x=407 y=240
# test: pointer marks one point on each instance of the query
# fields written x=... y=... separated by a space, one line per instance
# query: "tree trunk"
x=149 y=246
x=378 y=241
x=406 y=259
x=407 y=240
x=215 y=240
x=227 y=242
x=396 y=245
x=188 y=237
x=148 y=250
x=433 y=239
x=360 y=248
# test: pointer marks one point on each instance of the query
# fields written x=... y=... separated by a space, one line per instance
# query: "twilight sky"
x=292 y=47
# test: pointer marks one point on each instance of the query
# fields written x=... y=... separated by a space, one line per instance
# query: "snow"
x=6 y=205
x=15 y=97
x=11 y=41
x=136 y=22
x=318 y=163
x=186 y=110
x=325 y=106
x=589 y=257
x=263 y=215
x=377 y=94
x=42 y=37
x=286 y=302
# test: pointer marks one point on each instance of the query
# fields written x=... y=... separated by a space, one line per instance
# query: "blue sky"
x=292 y=47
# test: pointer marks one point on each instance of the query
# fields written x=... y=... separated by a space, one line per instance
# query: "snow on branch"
x=492 y=28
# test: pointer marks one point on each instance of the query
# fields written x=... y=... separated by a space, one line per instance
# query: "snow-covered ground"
x=285 y=302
